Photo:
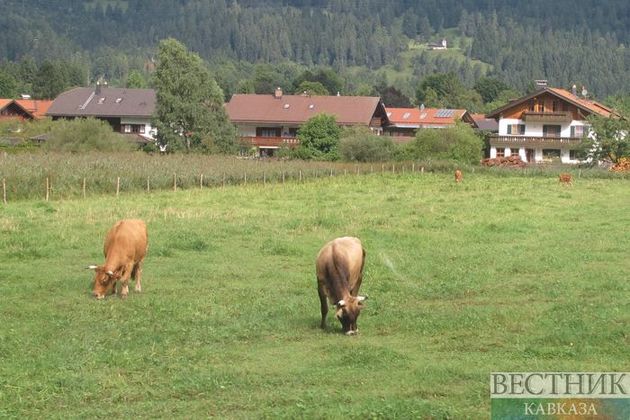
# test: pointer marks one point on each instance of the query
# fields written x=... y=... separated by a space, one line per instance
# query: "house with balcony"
x=404 y=122
x=545 y=126
x=268 y=122
x=128 y=111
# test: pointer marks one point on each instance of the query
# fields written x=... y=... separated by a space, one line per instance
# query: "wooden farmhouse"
x=545 y=126
x=23 y=109
x=268 y=122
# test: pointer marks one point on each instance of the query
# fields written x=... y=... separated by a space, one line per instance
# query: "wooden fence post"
x=393 y=168
x=201 y=181
x=264 y=178
x=148 y=185
x=422 y=170
x=413 y=167
x=245 y=177
x=300 y=175
x=117 y=186
x=4 y=191
x=84 y=187
x=331 y=172
x=47 y=189
x=283 y=177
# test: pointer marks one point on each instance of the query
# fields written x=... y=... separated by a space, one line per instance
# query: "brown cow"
x=565 y=179
x=339 y=270
x=125 y=248
x=458 y=176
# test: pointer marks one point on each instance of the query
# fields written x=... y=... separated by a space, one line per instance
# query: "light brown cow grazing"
x=565 y=179
x=125 y=248
x=458 y=176
x=339 y=270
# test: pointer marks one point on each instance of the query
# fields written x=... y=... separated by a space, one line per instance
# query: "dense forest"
x=372 y=45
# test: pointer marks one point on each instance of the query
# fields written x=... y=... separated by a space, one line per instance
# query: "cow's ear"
x=341 y=303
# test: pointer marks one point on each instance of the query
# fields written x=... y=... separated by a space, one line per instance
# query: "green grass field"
x=495 y=274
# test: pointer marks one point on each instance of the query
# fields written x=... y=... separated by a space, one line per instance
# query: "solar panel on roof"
x=445 y=113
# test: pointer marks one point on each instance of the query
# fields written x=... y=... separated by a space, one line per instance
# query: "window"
x=142 y=128
x=541 y=107
x=578 y=131
x=551 y=131
x=573 y=154
x=516 y=129
x=532 y=106
x=514 y=152
x=500 y=152
x=268 y=131
x=554 y=106
x=127 y=128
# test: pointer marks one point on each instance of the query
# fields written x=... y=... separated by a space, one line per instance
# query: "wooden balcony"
x=259 y=141
x=497 y=140
x=547 y=117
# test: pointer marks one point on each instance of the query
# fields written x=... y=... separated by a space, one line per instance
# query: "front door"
x=529 y=154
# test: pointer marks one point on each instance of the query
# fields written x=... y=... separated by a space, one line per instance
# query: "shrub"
x=361 y=145
x=83 y=135
x=458 y=143
x=319 y=138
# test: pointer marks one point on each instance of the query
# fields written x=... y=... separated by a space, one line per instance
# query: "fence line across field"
x=222 y=180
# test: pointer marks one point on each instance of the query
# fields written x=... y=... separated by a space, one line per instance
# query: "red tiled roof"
x=415 y=117
x=36 y=107
x=297 y=109
x=592 y=106
x=5 y=102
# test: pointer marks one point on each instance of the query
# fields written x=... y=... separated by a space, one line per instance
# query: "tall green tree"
x=445 y=90
x=189 y=113
x=135 y=79
x=8 y=85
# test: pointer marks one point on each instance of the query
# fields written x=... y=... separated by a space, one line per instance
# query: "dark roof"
x=297 y=109
x=485 y=124
x=591 y=107
x=110 y=102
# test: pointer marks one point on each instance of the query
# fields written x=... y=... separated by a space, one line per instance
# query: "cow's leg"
x=137 y=276
x=324 y=305
x=124 y=280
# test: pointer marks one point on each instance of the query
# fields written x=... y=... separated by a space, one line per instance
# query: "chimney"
x=278 y=93
x=540 y=84
x=98 y=88
x=574 y=90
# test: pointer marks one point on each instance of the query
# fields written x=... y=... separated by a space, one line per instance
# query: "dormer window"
x=101 y=101
x=118 y=100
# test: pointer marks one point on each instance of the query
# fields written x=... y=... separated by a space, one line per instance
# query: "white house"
x=545 y=126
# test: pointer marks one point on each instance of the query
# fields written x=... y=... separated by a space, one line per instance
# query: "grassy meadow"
x=496 y=274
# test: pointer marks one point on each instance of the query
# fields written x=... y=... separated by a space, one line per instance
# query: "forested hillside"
x=579 y=41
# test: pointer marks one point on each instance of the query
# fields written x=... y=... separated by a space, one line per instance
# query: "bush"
x=458 y=143
x=82 y=135
x=359 y=144
x=319 y=138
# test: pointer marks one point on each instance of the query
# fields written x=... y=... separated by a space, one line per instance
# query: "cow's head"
x=103 y=280
x=347 y=313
